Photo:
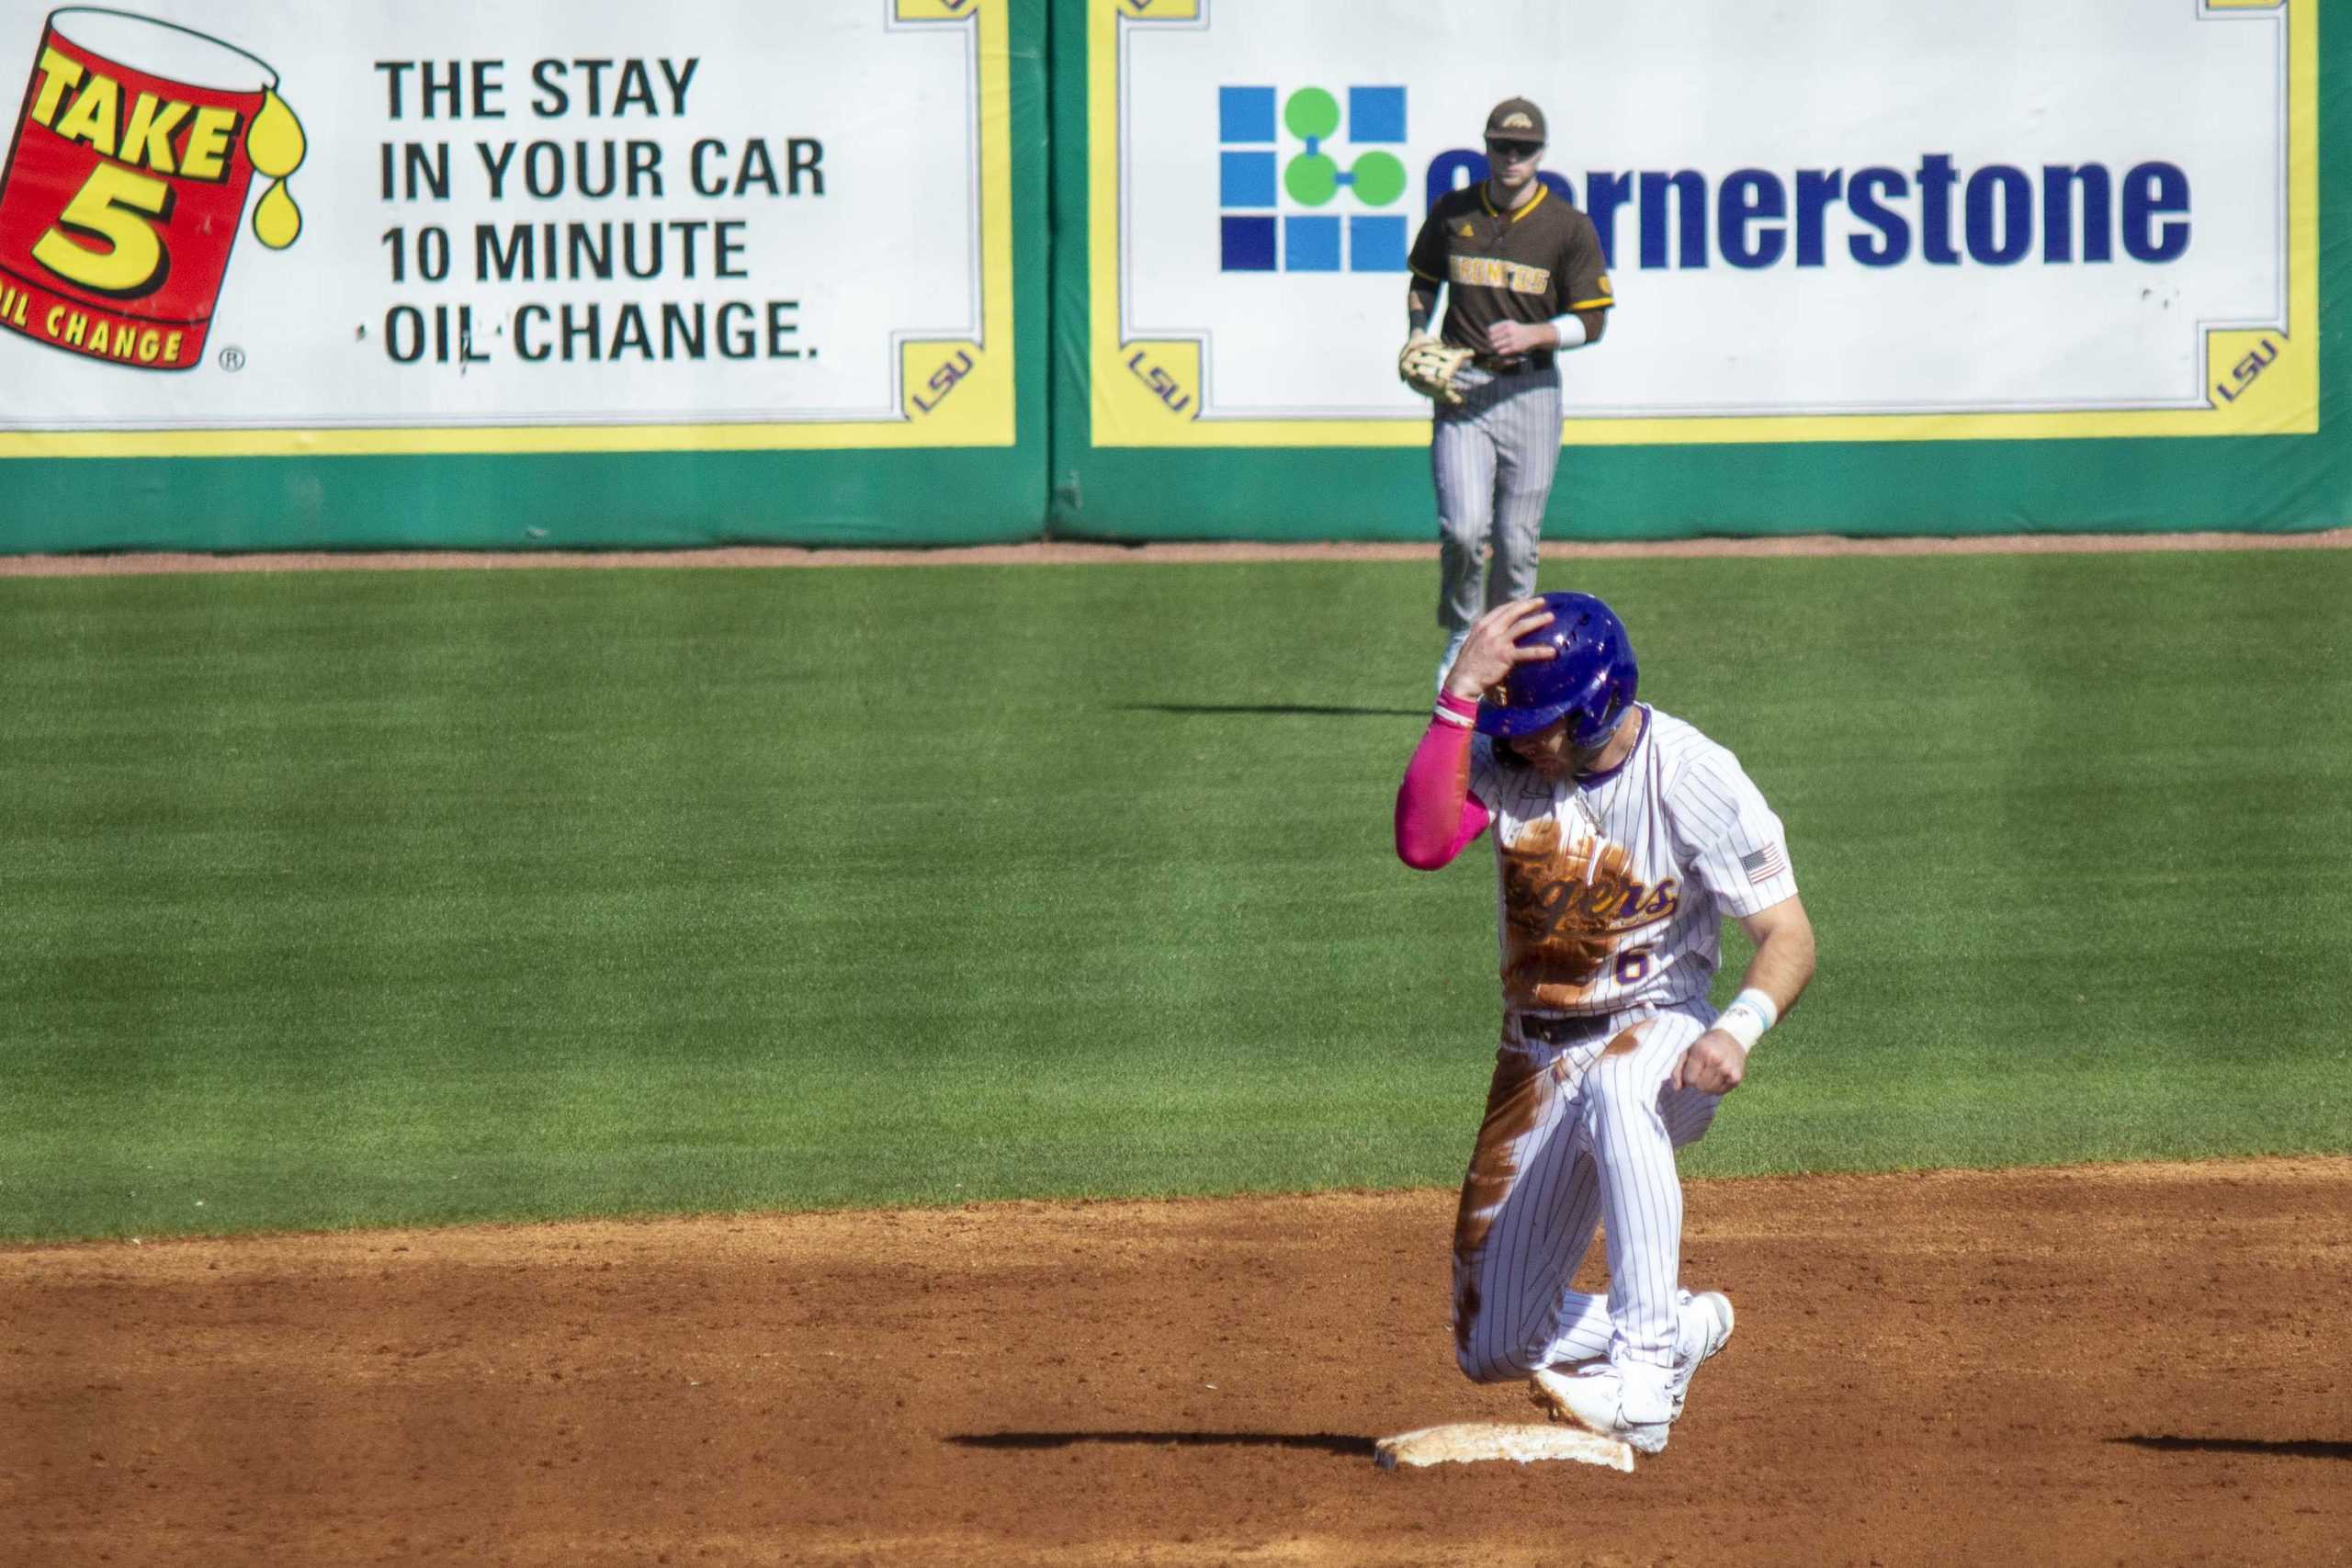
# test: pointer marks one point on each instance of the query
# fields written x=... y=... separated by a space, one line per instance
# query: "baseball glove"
x=1427 y=365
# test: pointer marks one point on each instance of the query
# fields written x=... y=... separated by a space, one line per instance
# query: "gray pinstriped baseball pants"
x=1493 y=459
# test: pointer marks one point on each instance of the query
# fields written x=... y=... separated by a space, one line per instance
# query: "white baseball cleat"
x=1599 y=1398
x=1706 y=1328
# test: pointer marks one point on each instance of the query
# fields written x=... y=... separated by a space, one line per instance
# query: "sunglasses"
x=1513 y=151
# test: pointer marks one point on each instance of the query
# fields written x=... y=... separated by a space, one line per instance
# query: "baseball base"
x=1464 y=1442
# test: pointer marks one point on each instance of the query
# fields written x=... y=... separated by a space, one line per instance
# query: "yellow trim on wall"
x=953 y=392
x=2257 y=383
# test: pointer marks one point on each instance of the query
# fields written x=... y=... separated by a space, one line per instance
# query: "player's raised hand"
x=1715 y=1063
x=1491 y=651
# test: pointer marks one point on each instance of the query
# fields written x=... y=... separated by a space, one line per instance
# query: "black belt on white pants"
x=1562 y=1028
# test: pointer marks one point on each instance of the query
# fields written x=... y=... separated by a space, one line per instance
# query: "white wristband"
x=1751 y=1014
x=1572 y=332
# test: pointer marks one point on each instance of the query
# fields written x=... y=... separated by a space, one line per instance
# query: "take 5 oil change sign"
x=125 y=185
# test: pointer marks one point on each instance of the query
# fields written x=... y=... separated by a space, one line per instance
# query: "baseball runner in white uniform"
x=1623 y=838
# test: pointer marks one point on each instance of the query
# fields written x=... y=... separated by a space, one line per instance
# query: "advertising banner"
x=258 y=227
x=1837 y=222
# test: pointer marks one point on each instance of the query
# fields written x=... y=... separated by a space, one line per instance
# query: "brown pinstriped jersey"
x=1539 y=261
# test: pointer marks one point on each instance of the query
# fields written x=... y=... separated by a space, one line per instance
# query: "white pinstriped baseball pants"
x=1572 y=1137
x=1493 y=460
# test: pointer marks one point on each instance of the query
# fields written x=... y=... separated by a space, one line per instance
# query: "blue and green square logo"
x=1263 y=180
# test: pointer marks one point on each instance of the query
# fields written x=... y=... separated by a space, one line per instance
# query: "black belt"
x=1514 y=365
x=1562 y=1029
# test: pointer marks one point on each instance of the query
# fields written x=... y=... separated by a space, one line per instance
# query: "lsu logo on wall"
x=1256 y=171
x=125 y=184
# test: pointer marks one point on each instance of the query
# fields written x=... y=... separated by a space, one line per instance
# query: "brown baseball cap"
x=1515 y=120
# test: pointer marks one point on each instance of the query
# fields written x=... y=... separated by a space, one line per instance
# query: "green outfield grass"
x=349 y=898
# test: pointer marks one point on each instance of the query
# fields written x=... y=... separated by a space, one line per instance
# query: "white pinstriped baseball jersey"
x=1613 y=888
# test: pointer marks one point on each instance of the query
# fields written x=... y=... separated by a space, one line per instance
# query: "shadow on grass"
x=1309 y=710
x=1317 y=1442
x=2295 y=1448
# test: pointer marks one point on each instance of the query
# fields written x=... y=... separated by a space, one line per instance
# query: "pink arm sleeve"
x=1436 y=813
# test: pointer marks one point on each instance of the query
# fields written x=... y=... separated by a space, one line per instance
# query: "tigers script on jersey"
x=1613 y=887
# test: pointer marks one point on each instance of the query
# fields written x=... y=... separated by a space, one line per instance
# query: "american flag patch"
x=1765 y=864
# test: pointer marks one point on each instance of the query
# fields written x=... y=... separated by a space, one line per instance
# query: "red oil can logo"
x=125 y=185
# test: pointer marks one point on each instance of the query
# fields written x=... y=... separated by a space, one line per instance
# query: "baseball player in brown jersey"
x=1525 y=281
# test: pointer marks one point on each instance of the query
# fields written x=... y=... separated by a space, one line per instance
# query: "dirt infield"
x=2112 y=1365
x=1073 y=554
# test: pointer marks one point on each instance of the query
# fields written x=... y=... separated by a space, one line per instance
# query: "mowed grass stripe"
x=337 y=899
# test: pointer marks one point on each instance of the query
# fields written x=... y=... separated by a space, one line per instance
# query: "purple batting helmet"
x=1588 y=679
